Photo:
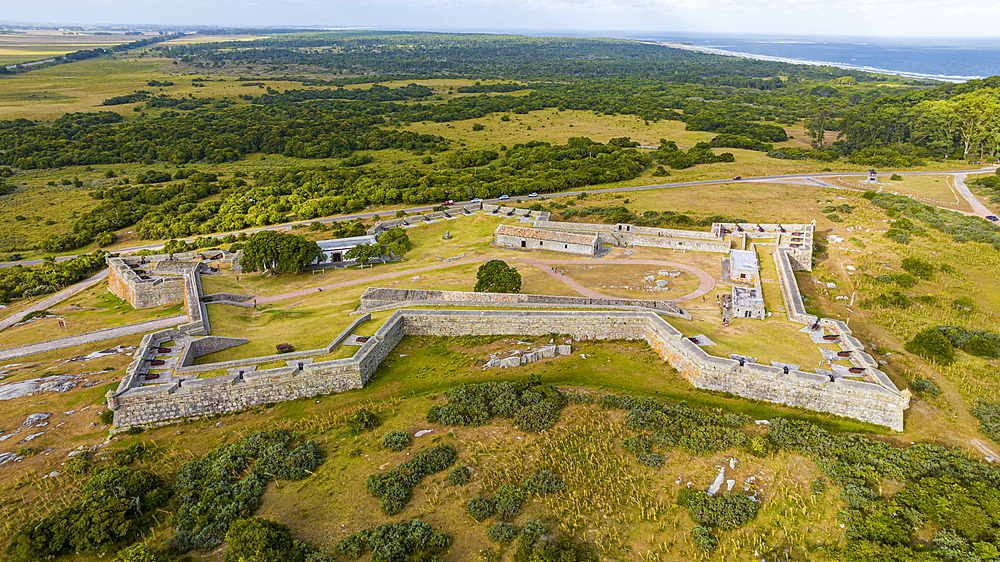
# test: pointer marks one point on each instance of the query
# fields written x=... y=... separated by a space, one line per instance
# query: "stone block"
x=564 y=349
x=547 y=352
x=510 y=362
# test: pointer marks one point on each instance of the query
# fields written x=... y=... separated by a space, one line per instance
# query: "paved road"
x=56 y=298
x=705 y=281
x=805 y=179
x=978 y=209
x=91 y=337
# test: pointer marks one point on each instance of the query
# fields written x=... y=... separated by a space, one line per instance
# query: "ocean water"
x=945 y=59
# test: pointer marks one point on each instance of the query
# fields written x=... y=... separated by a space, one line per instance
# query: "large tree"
x=396 y=240
x=495 y=276
x=278 y=252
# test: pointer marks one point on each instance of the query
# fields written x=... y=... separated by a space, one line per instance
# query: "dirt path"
x=91 y=337
x=706 y=283
x=54 y=299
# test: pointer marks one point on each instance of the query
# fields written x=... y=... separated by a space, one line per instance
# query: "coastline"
x=723 y=52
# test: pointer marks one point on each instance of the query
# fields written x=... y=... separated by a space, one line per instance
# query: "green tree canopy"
x=396 y=240
x=364 y=252
x=278 y=252
x=495 y=276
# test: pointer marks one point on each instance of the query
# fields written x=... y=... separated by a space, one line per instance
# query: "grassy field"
x=38 y=44
x=91 y=309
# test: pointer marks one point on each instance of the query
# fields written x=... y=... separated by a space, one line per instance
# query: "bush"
x=704 y=539
x=106 y=417
x=895 y=177
x=933 y=345
x=393 y=487
x=100 y=519
x=260 y=540
x=477 y=404
x=79 y=465
x=918 y=267
x=726 y=511
x=136 y=553
x=396 y=440
x=536 y=417
x=396 y=542
x=459 y=476
x=363 y=420
x=542 y=483
x=925 y=386
x=965 y=304
x=502 y=533
x=507 y=501
x=651 y=460
x=228 y=482
x=480 y=509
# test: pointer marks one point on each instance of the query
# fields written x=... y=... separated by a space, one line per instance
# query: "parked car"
x=738 y=178
x=992 y=218
x=532 y=195
x=476 y=200
x=448 y=202
x=502 y=197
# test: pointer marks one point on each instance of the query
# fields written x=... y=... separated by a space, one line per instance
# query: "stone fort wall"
x=380 y=298
x=866 y=401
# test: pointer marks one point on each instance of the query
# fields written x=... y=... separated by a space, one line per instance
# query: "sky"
x=878 y=18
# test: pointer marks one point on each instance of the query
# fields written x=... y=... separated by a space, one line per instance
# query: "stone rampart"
x=865 y=401
x=232 y=299
x=186 y=368
x=383 y=298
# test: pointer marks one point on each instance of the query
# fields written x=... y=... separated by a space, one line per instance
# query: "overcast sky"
x=801 y=17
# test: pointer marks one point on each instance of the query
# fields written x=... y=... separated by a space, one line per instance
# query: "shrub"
x=101 y=518
x=544 y=482
x=79 y=465
x=638 y=445
x=459 y=476
x=651 y=460
x=895 y=177
x=507 y=501
x=136 y=553
x=925 y=386
x=228 y=482
x=965 y=304
x=834 y=217
x=393 y=487
x=933 y=345
x=364 y=419
x=536 y=417
x=726 y=511
x=396 y=542
x=476 y=404
x=396 y=440
x=502 y=533
x=260 y=540
x=918 y=267
x=704 y=538
x=106 y=417
x=480 y=509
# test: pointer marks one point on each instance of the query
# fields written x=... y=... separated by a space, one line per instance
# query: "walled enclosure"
x=151 y=405
x=378 y=298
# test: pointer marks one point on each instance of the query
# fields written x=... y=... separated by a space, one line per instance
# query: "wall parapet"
x=861 y=400
x=380 y=298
